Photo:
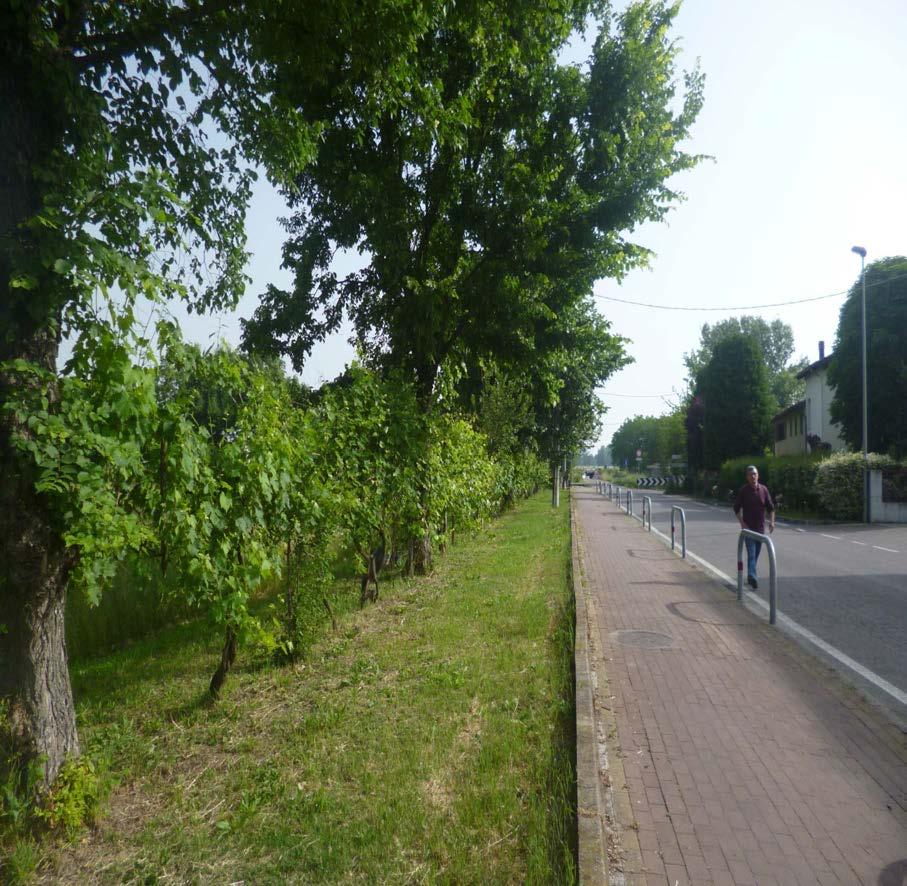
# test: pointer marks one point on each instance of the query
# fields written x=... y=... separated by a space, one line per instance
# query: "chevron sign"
x=647 y=482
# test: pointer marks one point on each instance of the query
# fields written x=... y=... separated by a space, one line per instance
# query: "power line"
x=642 y=304
x=634 y=396
x=777 y=304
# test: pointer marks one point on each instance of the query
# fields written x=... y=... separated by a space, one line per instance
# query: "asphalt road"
x=847 y=584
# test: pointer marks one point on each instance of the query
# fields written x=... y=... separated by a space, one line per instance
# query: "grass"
x=428 y=740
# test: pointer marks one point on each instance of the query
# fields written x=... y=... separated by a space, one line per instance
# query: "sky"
x=805 y=116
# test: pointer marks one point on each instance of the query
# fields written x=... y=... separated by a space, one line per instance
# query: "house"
x=806 y=426
x=790 y=430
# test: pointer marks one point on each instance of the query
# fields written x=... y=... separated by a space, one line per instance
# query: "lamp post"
x=860 y=251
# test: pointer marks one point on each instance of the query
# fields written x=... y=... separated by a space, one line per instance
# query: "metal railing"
x=646 y=508
x=630 y=502
x=772 y=565
x=683 y=530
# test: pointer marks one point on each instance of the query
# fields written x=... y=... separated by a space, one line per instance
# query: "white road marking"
x=832 y=537
x=890 y=551
x=862 y=544
x=801 y=530
x=751 y=601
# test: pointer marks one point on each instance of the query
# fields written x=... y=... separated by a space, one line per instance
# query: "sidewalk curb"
x=887 y=700
x=606 y=837
x=590 y=823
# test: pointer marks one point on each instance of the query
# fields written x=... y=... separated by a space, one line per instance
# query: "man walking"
x=752 y=502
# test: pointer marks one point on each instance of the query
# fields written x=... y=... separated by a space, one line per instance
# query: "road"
x=847 y=584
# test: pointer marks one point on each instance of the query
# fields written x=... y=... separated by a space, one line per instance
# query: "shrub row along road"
x=847 y=584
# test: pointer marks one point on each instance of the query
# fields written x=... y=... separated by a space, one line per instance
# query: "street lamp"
x=860 y=251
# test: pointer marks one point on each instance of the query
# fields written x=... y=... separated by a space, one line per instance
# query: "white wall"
x=818 y=411
x=883 y=511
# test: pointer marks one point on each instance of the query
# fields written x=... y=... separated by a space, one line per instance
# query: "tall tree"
x=125 y=126
x=738 y=404
x=886 y=320
x=492 y=199
x=635 y=434
x=694 y=421
x=776 y=344
x=575 y=359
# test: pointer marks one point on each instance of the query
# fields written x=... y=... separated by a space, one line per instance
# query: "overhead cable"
x=778 y=304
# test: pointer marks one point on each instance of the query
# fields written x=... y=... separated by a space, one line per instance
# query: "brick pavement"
x=725 y=754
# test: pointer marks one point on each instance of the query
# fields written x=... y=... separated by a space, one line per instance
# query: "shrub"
x=839 y=483
x=74 y=798
x=733 y=473
x=793 y=480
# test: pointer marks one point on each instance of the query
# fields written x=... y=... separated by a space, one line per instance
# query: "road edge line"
x=875 y=686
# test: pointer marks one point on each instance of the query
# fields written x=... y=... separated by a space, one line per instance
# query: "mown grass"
x=428 y=740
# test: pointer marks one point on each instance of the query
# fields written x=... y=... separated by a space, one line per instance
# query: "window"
x=780 y=431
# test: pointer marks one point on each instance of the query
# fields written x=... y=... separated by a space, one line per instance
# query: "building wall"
x=818 y=411
x=794 y=442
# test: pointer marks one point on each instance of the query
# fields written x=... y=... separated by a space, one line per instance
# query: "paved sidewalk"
x=722 y=752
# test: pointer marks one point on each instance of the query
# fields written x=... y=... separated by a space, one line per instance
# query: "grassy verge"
x=429 y=739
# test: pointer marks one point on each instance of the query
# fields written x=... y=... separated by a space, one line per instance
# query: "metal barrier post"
x=630 y=502
x=772 y=567
x=646 y=506
x=683 y=530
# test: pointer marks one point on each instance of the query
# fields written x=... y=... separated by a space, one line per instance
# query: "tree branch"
x=103 y=48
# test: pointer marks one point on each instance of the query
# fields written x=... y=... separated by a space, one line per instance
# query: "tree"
x=634 y=434
x=125 y=127
x=694 y=421
x=670 y=439
x=575 y=359
x=491 y=200
x=886 y=319
x=737 y=401
x=658 y=437
x=776 y=344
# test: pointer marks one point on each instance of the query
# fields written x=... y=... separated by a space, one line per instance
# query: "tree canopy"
x=492 y=199
x=886 y=320
x=659 y=437
x=738 y=404
x=776 y=344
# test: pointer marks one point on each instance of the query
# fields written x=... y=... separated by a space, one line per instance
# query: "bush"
x=620 y=477
x=839 y=483
x=74 y=798
x=790 y=478
x=732 y=474
x=793 y=480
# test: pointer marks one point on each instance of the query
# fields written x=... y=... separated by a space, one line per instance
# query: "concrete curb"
x=590 y=819
x=606 y=836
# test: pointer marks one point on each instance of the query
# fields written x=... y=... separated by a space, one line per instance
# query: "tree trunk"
x=424 y=554
x=555 y=486
x=34 y=673
x=227 y=657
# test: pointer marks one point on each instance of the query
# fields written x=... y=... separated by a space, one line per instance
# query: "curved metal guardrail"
x=683 y=530
x=772 y=565
x=647 y=507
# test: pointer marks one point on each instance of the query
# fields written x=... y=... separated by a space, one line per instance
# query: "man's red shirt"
x=754 y=502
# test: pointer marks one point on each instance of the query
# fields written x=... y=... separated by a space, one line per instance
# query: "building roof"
x=799 y=406
x=815 y=367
